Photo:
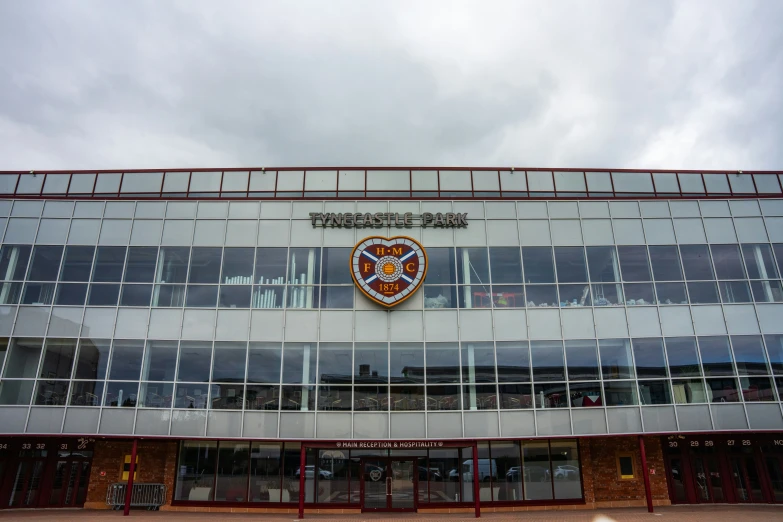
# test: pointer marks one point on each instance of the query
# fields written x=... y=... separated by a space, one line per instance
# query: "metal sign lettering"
x=389 y=219
x=388 y=270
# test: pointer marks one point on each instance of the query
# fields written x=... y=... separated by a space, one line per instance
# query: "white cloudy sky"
x=663 y=84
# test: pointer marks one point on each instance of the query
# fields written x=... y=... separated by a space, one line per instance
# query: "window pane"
x=541 y=295
x=616 y=362
x=176 y=182
x=634 y=264
x=472 y=266
x=513 y=361
x=716 y=183
x=665 y=262
x=688 y=391
x=23 y=358
x=197 y=469
x=86 y=393
x=77 y=264
x=172 y=265
x=109 y=263
x=570 y=181
x=93 y=359
x=205 y=265
x=126 y=360
x=741 y=184
x=441 y=268
x=406 y=363
x=337 y=297
x=683 y=361
x=45 y=264
x=515 y=396
x=571 y=267
x=632 y=182
x=71 y=294
x=205 y=181
x=234 y=296
x=703 y=293
x=696 y=261
x=263 y=363
x=734 y=291
x=141 y=182
x=778 y=248
x=141 y=264
x=13 y=261
x=749 y=355
x=547 y=358
x=585 y=394
x=716 y=356
x=103 y=295
x=757 y=389
x=603 y=263
x=335 y=266
x=728 y=263
x=303 y=267
x=655 y=392
x=202 y=296
x=299 y=363
x=478 y=362
x=335 y=363
x=81 y=183
x=650 y=361
x=156 y=394
x=229 y=362
x=370 y=365
x=160 y=361
x=443 y=362
x=665 y=183
x=620 y=393
x=232 y=476
x=759 y=261
x=536 y=470
x=194 y=361
x=265 y=471
x=767 y=291
x=121 y=394
x=723 y=390
x=271 y=265
x=639 y=294
x=538 y=265
x=506 y=265
x=671 y=293
x=108 y=183
x=565 y=468
x=582 y=357
x=136 y=295
x=607 y=294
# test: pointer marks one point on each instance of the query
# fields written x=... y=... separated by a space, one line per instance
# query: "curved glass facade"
x=540 y=318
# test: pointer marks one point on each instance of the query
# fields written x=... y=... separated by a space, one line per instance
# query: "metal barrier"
x=151 y=496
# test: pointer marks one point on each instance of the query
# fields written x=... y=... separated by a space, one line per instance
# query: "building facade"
x=576 y=335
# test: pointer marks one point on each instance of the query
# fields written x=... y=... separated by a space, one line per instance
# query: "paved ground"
x=723 y=513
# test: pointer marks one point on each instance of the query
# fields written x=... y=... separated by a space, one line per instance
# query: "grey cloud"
x=151 y=84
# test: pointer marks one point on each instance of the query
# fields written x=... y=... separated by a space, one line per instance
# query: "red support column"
x=302 y=473
x=646 y=474
x=476 y=502
x=129 y=486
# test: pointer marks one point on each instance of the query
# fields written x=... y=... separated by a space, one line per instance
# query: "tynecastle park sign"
x=390 y=219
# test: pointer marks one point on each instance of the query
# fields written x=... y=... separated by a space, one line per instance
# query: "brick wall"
x=156 y=464
x=602 y=485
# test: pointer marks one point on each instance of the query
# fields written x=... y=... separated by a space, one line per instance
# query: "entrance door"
x=389 y=484
x=747 y=485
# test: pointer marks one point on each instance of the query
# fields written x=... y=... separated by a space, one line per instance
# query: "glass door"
x=389 y=484
x=403 y=484
x=747 y=485
x=374 y=487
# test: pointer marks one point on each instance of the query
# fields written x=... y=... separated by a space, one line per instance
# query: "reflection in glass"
x=620 y=393
x=337 y=297
x=156 y=394
x=197 y=469
x=665 y=262
x=551 y=395
x=585 y=394
x=58 y=358
x=205 y=265
x=767 y=291
x=703 y=293
x=688 y=391
x=201 y=296
x=371 y=398
x=72 y=294
x=406 y=398
x=734 y=291
x=172 y=265
x=121 y=394
x=109 y=263
x=77 y=264
x=406 y=363
x=443 y=398
x=649 y=357
x=45 y=264
x=671 y=293
x=51 y=393
x=634 y=263
x=160 y=361
x=541 y=296
x=582 y=358
x=683 y=359
x=140 y=265
x=547 y=358
x=335 y=266
x=135 y=295
x=655 y=392
x=229 y=362
x=616 y=361
x=639 y=294
x=697 y=262
x=757 y=389
x=571 y=266
x=38 y=293
x=168 y=295
x=443 y=363
x=574 y=295
x=334 y=363
x=775 y=350
x=263 y=363
x=442 y=267
x=723 y=389
x=538 y=265
x=536 y=471
x=728 y=262
x=506 y=265
x=86 y=393
x=299 y=363
x=749 y=355
x=370 y=365
x=515 y=396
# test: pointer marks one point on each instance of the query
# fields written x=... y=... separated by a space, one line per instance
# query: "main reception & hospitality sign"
x=390 y=219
